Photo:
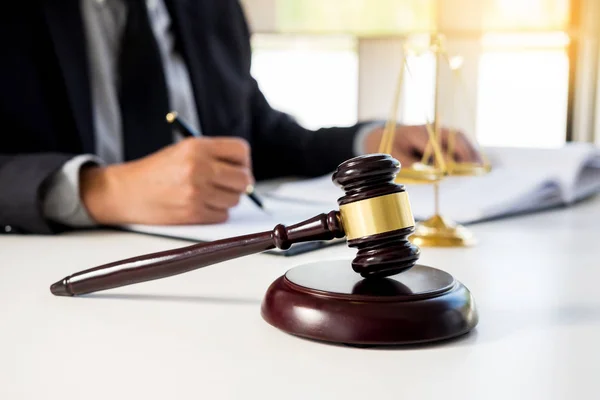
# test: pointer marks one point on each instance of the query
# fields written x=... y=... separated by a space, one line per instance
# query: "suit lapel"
x=191 y=42
x=66 y=30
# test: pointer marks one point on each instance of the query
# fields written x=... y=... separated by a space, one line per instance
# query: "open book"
x=522 y=180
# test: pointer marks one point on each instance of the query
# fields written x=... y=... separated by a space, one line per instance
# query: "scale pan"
x=419 y=173
x=468 y=169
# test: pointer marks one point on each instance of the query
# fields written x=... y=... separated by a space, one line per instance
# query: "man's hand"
x=195 y=181
x=410 y=142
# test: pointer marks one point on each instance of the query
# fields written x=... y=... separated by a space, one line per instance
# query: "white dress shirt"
x=104 y=22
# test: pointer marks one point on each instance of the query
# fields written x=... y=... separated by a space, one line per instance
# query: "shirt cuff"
x=63 y=203
x=361 y=135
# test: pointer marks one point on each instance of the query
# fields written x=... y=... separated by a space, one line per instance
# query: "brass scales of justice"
x=381 y=297
x=436 y=164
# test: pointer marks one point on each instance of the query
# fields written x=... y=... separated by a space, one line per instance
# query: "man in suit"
x=85 y=88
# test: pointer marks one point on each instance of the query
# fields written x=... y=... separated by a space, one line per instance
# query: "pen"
x=188 y=131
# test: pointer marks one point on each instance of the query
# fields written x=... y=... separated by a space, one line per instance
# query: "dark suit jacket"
x=46 y=113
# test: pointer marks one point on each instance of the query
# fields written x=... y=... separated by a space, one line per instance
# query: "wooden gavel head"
x=376 y=216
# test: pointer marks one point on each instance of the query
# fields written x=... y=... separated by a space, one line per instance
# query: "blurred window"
x=306 y=60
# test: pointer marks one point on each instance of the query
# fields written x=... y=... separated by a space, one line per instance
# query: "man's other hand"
x=410 y=142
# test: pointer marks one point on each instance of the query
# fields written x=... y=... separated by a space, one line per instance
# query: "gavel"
x=374 y=215
x=381 y=297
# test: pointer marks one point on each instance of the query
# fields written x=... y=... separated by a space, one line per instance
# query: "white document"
x=522 y=180
x=245 y=218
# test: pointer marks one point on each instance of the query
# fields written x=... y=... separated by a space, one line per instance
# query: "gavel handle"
x=178 y=261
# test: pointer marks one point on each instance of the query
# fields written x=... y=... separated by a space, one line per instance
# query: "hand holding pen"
x=193 y=181
x=186 y=130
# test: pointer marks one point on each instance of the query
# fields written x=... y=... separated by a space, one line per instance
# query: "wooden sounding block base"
x=328 y=301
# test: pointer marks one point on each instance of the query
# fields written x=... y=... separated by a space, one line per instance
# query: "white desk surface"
x=535 y=279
